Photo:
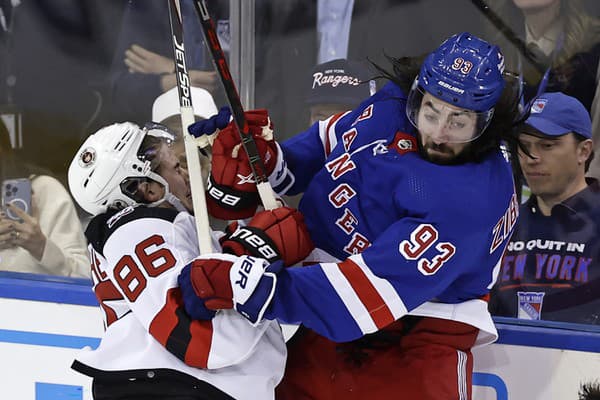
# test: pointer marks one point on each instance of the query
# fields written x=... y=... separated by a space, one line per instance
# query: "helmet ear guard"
x=109 y=166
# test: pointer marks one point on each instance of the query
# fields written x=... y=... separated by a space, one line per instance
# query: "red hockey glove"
x=278 y=234
x=231 y=187
x=223 y=281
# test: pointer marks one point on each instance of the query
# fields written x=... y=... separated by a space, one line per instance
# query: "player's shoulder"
x=384 y=109
x=103 y=226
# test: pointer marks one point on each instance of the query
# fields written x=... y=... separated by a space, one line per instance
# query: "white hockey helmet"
x=110 y=164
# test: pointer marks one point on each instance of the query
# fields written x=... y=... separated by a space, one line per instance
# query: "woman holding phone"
x=40 y=231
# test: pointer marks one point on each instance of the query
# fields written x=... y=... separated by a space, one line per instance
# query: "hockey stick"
x=187 y=118
x=263 y=186
x=508 y=33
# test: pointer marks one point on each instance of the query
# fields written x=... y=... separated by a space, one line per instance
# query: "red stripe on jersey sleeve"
x=366 y=292
x=172 y=325
x=199 y=348
x=166 y=320
x=106 y=292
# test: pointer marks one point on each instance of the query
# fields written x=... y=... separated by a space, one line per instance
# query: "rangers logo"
x=87 y=157
x=530 y=305
x=538 y=106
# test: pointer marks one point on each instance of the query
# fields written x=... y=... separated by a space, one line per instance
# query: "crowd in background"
x=68 y=70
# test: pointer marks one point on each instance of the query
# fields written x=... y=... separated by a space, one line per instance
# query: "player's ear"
x=151 y=191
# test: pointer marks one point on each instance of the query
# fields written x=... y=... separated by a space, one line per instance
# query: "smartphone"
x=18 y=193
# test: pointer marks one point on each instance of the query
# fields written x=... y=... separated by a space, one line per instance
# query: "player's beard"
x=441 y=153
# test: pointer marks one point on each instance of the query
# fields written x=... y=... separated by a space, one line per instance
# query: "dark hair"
x=506 y=117
x=4 y=137
x=589 y=391
x=11 y=165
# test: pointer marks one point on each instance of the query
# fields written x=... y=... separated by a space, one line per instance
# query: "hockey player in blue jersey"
x=409 y=224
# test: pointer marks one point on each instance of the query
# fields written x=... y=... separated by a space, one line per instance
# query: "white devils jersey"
x=137 y=255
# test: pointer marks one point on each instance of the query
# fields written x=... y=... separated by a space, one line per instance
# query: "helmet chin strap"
x=168 y=196
x=174 y=201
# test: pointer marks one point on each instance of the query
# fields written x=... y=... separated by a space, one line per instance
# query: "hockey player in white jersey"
x=141 y=236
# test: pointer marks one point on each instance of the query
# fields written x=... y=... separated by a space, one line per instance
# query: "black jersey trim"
x=151 y=374
x=180 y=336
x=102 y=226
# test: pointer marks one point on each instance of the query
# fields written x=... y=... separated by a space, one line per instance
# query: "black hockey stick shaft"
x=218 y=57
x=508 y=33
x=187 y=118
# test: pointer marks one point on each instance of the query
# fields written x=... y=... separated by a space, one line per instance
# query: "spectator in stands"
x=337 y=86
x=295 y=35
x=563 y=39
x=143 y=64
x=551 y=269
x=49 y=240
x=166 y=111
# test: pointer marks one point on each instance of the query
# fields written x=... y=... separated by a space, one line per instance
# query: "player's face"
x=176 y=176
x=174 y=125
x=444 y=130
x=558 y=164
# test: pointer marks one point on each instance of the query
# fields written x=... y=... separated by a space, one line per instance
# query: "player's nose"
x=439 y=135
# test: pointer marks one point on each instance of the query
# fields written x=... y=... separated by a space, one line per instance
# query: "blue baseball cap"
x=556 y=114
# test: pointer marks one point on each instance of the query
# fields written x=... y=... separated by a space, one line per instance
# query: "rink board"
x=44 y=321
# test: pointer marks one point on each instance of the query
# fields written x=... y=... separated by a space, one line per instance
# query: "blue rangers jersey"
x=415 y=237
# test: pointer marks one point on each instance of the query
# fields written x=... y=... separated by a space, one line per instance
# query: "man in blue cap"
x=551 y=269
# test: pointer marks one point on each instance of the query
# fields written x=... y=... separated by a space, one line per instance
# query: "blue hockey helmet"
x=466 y=72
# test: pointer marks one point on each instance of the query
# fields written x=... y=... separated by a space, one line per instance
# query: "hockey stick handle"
x=187 y=118
x=508 y=33
x=257 y=166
